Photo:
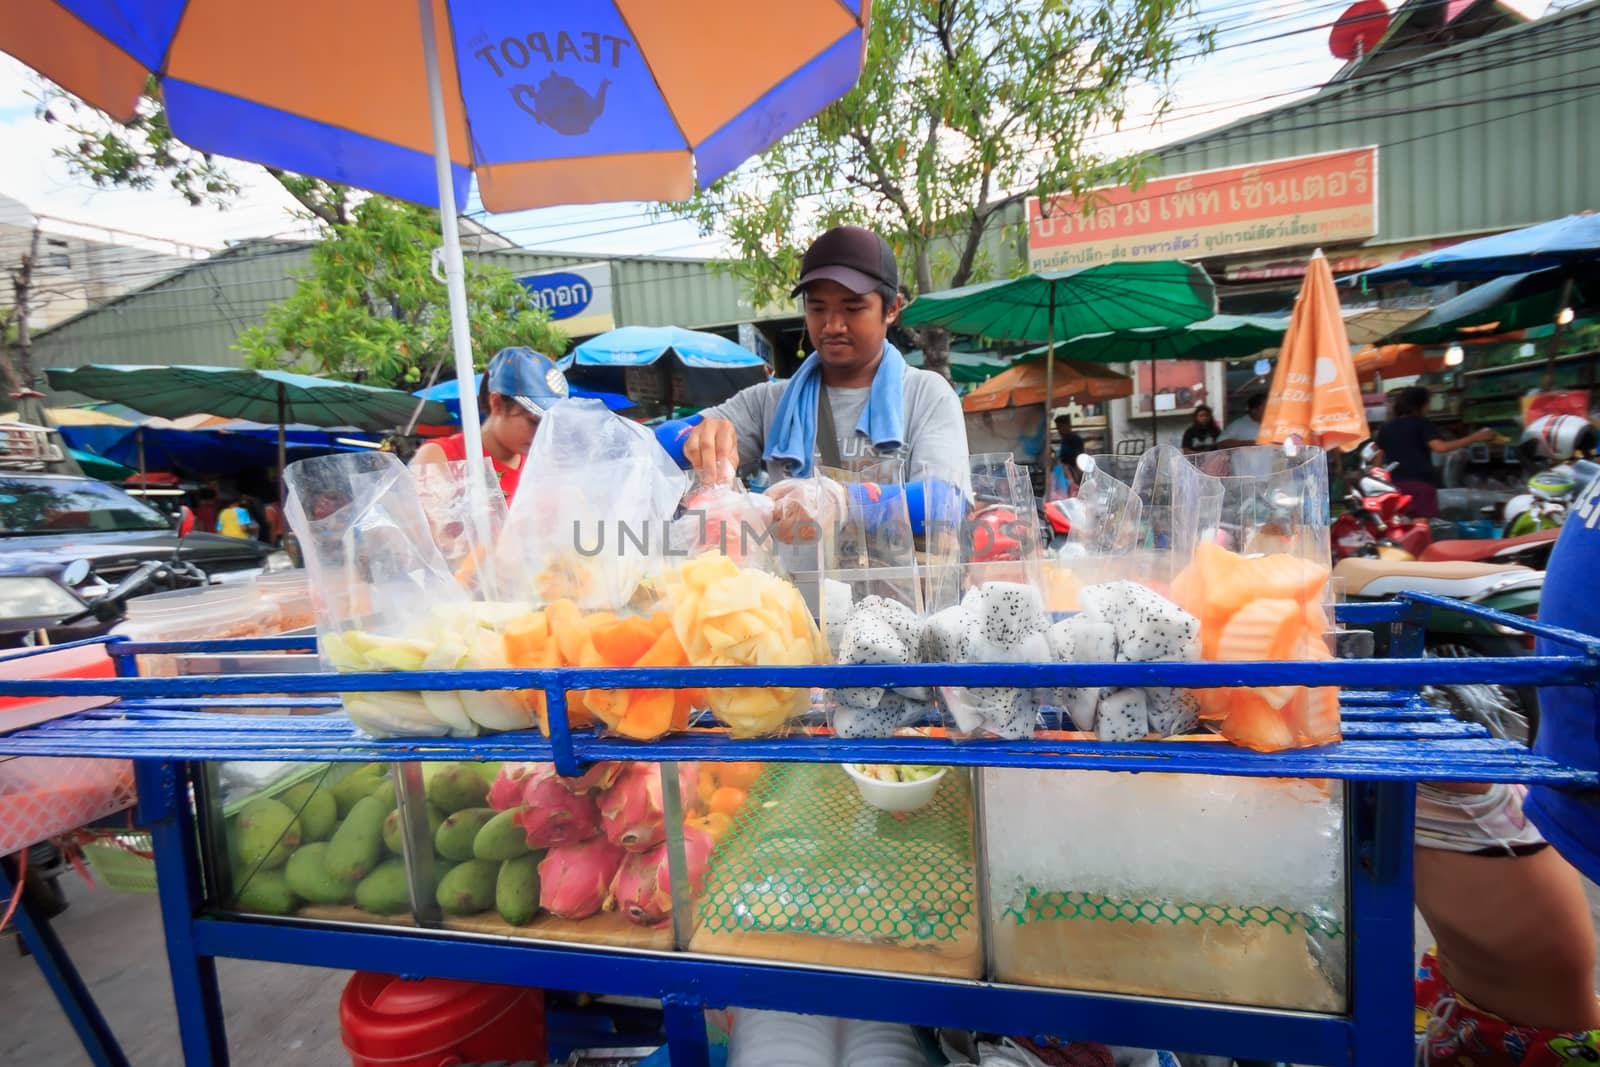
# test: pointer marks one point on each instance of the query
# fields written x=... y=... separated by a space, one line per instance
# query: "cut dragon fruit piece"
x=1123 y=715
x=1172 y=711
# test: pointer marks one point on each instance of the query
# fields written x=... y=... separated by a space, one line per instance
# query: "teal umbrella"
x=1045 y=307
x=1513 y=302
x=966 y=368
x=98 y=467
x=267 y=396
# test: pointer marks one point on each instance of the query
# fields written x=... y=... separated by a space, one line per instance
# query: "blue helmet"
x=532 y=379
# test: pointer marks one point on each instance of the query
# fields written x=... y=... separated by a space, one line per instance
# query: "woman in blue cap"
x=521 y=386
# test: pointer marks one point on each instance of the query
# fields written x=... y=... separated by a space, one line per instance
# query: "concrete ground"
x=287 y=1016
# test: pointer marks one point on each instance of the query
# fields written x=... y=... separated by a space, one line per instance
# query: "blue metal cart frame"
x=1392 y=740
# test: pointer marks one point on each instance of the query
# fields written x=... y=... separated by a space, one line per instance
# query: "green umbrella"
x=1070 y=303
x=966 y=368
x=106 y=470
x=266 y=396
x=1219 y=337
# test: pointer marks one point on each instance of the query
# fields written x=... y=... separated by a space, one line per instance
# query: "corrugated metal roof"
x=1495 y=133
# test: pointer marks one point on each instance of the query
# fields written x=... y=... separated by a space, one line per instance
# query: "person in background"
x=521 y=385
x=1071 y=446
x=1202 y=433
x=234 y=519
x=1410 y=441
x=275 y=526
x=1247 y=427
x=206 y=509
x=855 y=380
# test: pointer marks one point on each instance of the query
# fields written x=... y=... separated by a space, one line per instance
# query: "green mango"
x=455 y=836
x=456 y=786
x=355 y=785
x=357 y=845
x=384 y=793
x=468 y=888
x=501 y=838
x=391 y=828
x=269 y=892
x=316 y=809
x=264 y=834
x=385 y=890
x=307 y=874
x=516 y=889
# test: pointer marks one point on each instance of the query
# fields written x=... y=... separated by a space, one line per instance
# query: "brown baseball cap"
x=856 y=258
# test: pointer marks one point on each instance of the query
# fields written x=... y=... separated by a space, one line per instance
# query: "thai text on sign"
x=1308 y=200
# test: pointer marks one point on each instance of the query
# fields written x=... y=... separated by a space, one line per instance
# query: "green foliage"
x=371 y=310
x=965 y=108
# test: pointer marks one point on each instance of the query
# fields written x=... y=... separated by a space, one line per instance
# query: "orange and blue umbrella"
x=578 y=102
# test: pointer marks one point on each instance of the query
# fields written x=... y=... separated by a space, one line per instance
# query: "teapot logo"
x=561 y=104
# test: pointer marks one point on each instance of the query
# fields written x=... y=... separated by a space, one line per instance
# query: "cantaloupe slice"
x=684 y=703
x=622 y=642
x=1255 y=725
x=1264 y=629
x=647 y=714
x=1287 y=577
x=525 y=637
x=1313 y=716
x=607 y=705
x=1317 y=620
x=569 y=628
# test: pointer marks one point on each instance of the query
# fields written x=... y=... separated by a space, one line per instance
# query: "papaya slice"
x=622 y=642
x=1253 y=724
x=525 y=637
x=607 y=705
x=665 y=651
x=568 y=627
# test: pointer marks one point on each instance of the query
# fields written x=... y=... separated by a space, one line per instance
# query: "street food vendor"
x=855 y=382
x=521 y=386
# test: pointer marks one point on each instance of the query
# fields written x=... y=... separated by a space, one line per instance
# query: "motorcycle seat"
x=1372 y=578
x=1476 y=550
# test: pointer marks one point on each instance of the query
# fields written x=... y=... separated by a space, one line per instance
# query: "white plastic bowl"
x=895 y=796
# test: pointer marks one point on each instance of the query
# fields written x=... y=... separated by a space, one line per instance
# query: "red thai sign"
x=1309 y=200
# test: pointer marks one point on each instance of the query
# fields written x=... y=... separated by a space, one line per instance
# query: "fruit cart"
x=1324 y=983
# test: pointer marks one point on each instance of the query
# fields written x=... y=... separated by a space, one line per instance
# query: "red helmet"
x=995 y=533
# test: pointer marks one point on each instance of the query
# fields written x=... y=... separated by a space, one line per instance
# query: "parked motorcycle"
x=1375 y=523
x=1511 y=712
x=1550 y=493
x=1529 y=550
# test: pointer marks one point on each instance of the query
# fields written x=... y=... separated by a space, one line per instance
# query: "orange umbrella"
x=1024 y=384
x=1395 y=361
x=1314 y=393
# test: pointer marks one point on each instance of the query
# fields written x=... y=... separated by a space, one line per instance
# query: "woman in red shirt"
x=522 y=384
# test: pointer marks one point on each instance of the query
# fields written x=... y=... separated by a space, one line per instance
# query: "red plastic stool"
x=437 y=1022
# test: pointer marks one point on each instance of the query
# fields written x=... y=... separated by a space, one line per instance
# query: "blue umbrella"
x=449 y=394
x=711 y=366
x=1566 y=243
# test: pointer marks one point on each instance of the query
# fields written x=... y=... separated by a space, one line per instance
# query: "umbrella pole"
x=455 y=281
x=283 y=444
x=1050 y=381
x=138 y=437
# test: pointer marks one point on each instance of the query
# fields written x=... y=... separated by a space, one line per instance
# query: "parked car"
x=50 y=524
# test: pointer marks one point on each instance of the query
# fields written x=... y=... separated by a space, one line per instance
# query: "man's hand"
x=806 y=509
x=712 y=449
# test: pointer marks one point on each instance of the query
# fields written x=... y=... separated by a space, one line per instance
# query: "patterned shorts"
x=1453 y=1033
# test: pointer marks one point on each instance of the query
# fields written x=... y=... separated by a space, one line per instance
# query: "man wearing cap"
x=855 y=381
x=521 y=385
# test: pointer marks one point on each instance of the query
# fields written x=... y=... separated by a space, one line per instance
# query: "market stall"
x=1347 y=972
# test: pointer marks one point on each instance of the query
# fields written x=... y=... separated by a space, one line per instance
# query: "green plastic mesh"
x=1034 y=905
x=805 y=855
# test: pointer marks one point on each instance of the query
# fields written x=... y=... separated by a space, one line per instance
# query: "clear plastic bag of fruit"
x=871 y=600
x=740 y=611
x=386 y=600
x=465 y=542
x=1122 y=610
x=589 y=522
x=995 y=611
x=1255 y=535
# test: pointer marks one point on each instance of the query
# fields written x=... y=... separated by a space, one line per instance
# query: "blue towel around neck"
x=792 y=437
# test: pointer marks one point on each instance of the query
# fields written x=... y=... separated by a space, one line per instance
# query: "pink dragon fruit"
x=596 y=779
x=505 y=792
x=552 y=814
x=575 y=880
x=642 y=889
x=632 y=813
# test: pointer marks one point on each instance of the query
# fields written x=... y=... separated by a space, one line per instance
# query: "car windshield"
x=64 y=505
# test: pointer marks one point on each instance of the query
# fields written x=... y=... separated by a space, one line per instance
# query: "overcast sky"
x=1249 y=74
